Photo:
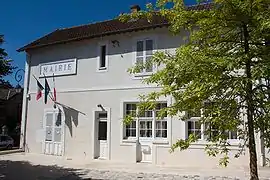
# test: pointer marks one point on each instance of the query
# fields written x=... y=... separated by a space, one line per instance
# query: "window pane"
x=148 y=113
x=164 y=124
x=142 y=124
x=190 y=125
x=48 y=134
x=233 y=135
x=49 y=119
x=140 y=48
x=161 y=106
x=164 y=133
x=102 y=115
x=158 y=124
x=198 y=133
x=158 y=133
x=128 y=132
x=149 y=133
x=102 y=130
x=149 y=124
x=149 y=65
x=57 y=134
x=130 y=106
x=197 y=125
x=102 y=56
x=133 y=124
x=139 y=62
x=149 y=47
x=133 y=133
x=142 y=133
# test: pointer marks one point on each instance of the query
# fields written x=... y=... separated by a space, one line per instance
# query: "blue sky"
x=27 y=20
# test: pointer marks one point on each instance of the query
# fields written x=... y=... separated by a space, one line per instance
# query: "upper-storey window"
x=144 y=52
x=102 y=58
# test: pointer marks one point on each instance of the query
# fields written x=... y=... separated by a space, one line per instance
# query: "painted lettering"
x=51 y=69
x=60 y=67
x=69 y=67
x=45 y=69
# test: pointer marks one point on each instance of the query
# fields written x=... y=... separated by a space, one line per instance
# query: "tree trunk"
x=250 y=111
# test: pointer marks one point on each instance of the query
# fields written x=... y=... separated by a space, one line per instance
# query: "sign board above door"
x=60 y=68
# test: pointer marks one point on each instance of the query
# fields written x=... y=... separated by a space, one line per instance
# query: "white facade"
x=100 y=93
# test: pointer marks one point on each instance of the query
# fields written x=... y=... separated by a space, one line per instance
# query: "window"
x=144 y=52
x=102 y=64
x=147 y=119
x=130 y=128
x=232 y=135
x=195 y=127
x=161 y=124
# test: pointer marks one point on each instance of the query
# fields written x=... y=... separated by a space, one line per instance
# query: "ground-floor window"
x=194 y=126
x=149 y=124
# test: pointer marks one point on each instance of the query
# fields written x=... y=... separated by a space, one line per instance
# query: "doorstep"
x=11 y=151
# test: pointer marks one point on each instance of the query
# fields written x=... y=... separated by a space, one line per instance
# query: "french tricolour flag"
x=39 y=89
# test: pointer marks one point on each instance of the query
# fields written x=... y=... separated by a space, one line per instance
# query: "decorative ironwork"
x=19 y=75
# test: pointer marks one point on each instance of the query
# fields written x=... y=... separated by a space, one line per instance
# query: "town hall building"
x=87 y=65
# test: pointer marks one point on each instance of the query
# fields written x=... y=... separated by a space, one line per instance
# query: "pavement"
x=43 y=167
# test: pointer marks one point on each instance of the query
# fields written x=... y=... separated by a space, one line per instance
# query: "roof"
x=100 y=29
x=6 y=94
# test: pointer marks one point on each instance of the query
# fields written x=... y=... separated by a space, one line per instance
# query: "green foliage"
x=224 y=69
x=5 y=64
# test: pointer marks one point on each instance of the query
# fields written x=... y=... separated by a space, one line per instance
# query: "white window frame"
x=203 y=138
x=144 y=38
x=102 y=69
x=153 y=121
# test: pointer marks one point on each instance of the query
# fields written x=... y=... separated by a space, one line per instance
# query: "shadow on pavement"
x=14 y=170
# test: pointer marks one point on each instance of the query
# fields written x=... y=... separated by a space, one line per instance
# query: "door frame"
x=52 y=110
x=94 y=130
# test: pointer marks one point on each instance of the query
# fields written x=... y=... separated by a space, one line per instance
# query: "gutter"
x=25 y=103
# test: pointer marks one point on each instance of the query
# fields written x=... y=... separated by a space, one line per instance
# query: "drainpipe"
x=25 y=103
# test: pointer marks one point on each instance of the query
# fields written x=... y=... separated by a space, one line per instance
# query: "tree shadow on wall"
x=71 y=116
x=14 y=170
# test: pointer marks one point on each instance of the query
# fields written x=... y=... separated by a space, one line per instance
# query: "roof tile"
x=99 y=29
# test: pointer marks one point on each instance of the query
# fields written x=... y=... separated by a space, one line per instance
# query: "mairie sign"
x=60 y=68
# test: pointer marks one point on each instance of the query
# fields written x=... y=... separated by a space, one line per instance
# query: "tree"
x=223 y=69
x=5 y=64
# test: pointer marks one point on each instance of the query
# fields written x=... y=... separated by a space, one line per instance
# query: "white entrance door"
x=146 y=139
x=54 y=133
x=102 y=135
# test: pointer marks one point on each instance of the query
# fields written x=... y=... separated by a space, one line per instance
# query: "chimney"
x=135 y=8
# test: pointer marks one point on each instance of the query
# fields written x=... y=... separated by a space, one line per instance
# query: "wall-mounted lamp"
x=100 y=106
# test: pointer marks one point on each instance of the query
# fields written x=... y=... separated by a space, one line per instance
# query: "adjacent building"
x=89 y=64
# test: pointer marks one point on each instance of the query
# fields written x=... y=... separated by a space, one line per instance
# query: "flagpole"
x=50 y=95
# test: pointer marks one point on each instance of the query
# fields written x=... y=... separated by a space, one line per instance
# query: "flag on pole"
x=54 y=89
x=39 y=89
x=47 y=90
